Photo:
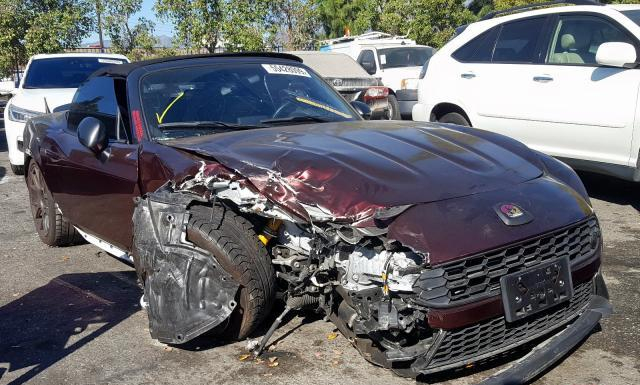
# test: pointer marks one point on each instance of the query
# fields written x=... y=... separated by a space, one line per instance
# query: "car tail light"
x=376 y=93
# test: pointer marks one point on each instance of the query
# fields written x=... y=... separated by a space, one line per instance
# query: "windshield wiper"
x=207 y=124
x=297 y=119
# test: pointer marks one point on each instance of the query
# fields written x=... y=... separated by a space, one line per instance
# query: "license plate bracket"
x=528 y=292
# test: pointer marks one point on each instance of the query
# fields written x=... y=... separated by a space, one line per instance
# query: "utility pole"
x=99 y=14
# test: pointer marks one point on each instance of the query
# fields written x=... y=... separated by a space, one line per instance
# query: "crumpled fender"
x=187 y=291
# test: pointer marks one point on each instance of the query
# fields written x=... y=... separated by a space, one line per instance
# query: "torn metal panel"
x=188 y=292
x=349 y=170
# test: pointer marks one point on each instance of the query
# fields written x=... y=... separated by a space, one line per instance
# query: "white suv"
x=563 y=80
x=49 y=81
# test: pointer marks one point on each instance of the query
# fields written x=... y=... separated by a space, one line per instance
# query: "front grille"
x=465 y=345
x=479 y=276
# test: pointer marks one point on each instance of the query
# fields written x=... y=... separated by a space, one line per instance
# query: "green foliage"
x=202 y=24
x=293 y=23
x=135 y=40
x=430 y=22
x=341 y=16
x=29 y=27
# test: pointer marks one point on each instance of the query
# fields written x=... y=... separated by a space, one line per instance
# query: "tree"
x=207 y=24
x=135 y=40
x=29 y=27
x=340 y=17
x=294 y=23
x=429 y=22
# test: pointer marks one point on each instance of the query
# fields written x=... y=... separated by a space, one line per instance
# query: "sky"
x=162 y=28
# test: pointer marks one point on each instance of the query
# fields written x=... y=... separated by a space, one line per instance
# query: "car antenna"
x=46 y=106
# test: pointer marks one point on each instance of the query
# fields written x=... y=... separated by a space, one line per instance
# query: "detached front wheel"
x=53 y=229
x=234 y=244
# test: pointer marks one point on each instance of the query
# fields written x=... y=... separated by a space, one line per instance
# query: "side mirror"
x=92 y=134
x=7 y=87
x=616 y=54
x=370 y=67
x=362 y=109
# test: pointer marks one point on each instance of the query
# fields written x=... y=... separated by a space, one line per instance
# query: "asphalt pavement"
x=72 y=316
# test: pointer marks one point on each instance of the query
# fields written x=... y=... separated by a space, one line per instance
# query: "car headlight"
x=409 y=84
x=21 y=115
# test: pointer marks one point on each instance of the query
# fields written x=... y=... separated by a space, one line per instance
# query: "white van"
x=396 y=60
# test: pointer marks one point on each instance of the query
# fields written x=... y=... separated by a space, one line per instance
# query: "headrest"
x=567 y=41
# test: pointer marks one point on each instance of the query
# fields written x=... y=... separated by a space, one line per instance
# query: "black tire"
x=53 y=229
x=454 y=118
x=231 y=239
x=17 y=170
x=394 y=108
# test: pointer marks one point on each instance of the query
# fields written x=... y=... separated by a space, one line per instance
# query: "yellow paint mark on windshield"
x=161 y=117
x=322 y=106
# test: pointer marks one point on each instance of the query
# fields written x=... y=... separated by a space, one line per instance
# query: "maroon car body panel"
x=350 y=169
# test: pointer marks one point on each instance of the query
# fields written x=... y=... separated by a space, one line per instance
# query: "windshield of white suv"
x=633 y=14
x=404 y=56
x=64 y=72
x=192 y=101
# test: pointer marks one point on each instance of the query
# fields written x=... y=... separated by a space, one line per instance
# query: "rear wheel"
x=234 y=244
x=53 y=229
x=394 y=108
x=18 y=170
x=454 y=118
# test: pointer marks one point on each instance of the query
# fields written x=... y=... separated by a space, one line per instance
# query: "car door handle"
x=468 y=75
x=543 y=79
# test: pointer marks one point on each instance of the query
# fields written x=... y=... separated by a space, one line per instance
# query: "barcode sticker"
x=285 y=70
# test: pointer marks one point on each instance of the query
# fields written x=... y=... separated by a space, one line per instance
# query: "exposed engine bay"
x=359 y=278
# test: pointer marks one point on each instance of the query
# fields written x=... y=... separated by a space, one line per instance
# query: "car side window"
x=368 y=61
x=478 y=49
x=96 y=98
x=575 y=39
x=518 y=41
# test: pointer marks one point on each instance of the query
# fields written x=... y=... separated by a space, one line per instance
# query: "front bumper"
x=13 y=131
x=479 y=343
x=407 y=99
x=548 y=352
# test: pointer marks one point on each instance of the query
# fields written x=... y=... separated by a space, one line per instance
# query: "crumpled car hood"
x=350 y=168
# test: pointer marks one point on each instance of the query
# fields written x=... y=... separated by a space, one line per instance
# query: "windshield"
x=64 y=72
x=404 y=56
x=193 y=101
x=633 y=14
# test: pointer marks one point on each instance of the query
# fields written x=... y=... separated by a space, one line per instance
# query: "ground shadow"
x=3 y=172
x=611 y=189
x=49 y=323
x=217 y=337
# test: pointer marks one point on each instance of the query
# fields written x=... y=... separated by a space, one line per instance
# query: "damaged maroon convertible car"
x=233 y=181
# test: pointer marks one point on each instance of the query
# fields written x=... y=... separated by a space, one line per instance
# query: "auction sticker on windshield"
x=285 y=70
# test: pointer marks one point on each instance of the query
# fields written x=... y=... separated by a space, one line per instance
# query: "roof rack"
x=521 y=8
x=373 y=35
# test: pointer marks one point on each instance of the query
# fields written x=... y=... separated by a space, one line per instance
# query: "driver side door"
x=96 y=191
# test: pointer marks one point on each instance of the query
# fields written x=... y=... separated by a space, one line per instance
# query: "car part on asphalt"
x=419 y=241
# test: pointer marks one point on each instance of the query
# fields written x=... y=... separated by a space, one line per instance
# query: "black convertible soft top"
x=123 y=70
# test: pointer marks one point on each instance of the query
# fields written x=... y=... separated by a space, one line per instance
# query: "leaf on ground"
x=273 y=364
x=168 y=349
x=273 y=359
x=244 y=357
x=332 y=336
